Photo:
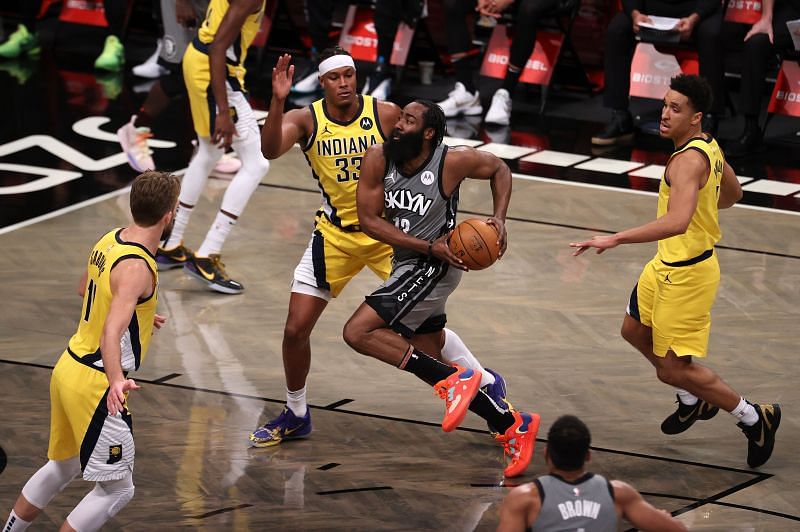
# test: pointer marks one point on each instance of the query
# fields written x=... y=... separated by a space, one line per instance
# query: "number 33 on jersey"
x=334 y=153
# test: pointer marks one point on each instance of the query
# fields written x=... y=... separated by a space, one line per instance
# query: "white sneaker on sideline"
x=383 y=90
x=308 y=84
x=461 y=102
x=500 y=111
x=150 y=68
x=134 y=143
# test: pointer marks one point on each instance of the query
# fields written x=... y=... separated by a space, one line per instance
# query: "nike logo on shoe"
x=454 y=404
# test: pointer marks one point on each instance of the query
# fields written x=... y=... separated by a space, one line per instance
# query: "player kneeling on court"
x=407 y=197
x=90 y=426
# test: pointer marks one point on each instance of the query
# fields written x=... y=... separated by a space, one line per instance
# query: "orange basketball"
x=475 y=243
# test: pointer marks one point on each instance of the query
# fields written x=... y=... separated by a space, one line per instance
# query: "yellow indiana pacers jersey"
x=334 y=153
x=237 y=52
x=85 y=344
x=703 y=231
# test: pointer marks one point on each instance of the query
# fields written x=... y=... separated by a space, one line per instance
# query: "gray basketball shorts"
x=415 y=293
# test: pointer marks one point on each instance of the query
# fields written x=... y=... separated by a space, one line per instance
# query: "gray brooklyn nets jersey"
x=586 y=505
x=416 y=204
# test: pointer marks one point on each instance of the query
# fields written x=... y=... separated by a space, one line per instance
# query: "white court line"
x=70 y=208
x=640 y=192
x=115 y=193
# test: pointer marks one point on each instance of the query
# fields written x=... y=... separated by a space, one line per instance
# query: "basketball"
x=475 y=243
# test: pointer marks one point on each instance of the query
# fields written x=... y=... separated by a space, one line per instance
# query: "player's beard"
x=406 y=147
x=167 y=231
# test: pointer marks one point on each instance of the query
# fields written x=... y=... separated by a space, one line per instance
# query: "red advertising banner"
x=651 y=72
x=360 y=39
x=743 y=11
x=538 y=69
x=88 y=12
x=785 y=98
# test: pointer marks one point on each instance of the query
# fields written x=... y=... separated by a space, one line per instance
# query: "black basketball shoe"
x=211 y=271
x=761 y=436
x=685 y=416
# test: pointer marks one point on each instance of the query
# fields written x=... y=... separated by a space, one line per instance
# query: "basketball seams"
x=483 y=243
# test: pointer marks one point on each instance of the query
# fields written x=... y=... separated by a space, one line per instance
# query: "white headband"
x=336 y=61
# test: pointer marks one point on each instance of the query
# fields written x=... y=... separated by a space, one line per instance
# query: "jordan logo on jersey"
x=326 y=131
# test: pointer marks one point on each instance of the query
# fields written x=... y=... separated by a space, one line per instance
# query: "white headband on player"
x=334 y=62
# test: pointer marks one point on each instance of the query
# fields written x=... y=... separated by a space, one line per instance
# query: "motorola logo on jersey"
x=427 y=177
x=366 y=123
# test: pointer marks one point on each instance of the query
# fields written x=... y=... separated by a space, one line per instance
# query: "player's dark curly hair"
x=433 y=117
x=696 y=89
x=327 y=53
x=567 y=443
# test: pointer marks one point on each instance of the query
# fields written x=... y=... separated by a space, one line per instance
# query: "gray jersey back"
x=416 y=204
x=587 y=505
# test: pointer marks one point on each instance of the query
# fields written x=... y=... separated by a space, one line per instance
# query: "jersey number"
x=91 y=292
x=403 y=224
x=348 y=168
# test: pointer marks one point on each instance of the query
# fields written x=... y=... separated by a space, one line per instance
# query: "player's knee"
x=353 y=334
x=118 y=493
x=668 y=375
x=50 y=480
x=296 y=332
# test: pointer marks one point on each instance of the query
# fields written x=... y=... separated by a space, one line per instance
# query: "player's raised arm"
x=281 y=131
x=131 y=280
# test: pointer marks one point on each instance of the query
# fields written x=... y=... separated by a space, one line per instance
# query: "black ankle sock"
x=463 y=68
x=511 y=80
x=486 y=408
x=425 y=367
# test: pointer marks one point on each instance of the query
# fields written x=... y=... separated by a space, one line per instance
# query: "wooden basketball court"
x=378 y=459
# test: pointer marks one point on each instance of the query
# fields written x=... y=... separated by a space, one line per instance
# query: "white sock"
x=15 y=523
x=181 y=221
x=745 y=413
x=456 y=352
x=296 y=401
x=216 y=235
x=685 y=397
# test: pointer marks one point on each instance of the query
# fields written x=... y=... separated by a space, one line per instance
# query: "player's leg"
x=247 y=143
x=324 y=270
x=637 y=330
x=101 y=504
x=40 y=489
x=197 y=81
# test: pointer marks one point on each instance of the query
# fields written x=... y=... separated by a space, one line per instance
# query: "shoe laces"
x=219 y=266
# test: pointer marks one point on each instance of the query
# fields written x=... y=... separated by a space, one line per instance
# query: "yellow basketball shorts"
x=80 y=424
x=676 y=303
x=334 y=256
x=197 y=77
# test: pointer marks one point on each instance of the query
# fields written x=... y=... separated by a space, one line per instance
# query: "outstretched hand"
x=115 y=400
x=601 y=243
x=282 y=75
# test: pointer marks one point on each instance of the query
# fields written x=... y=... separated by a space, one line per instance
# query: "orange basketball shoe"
x=519 y=441
x=458 y=390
